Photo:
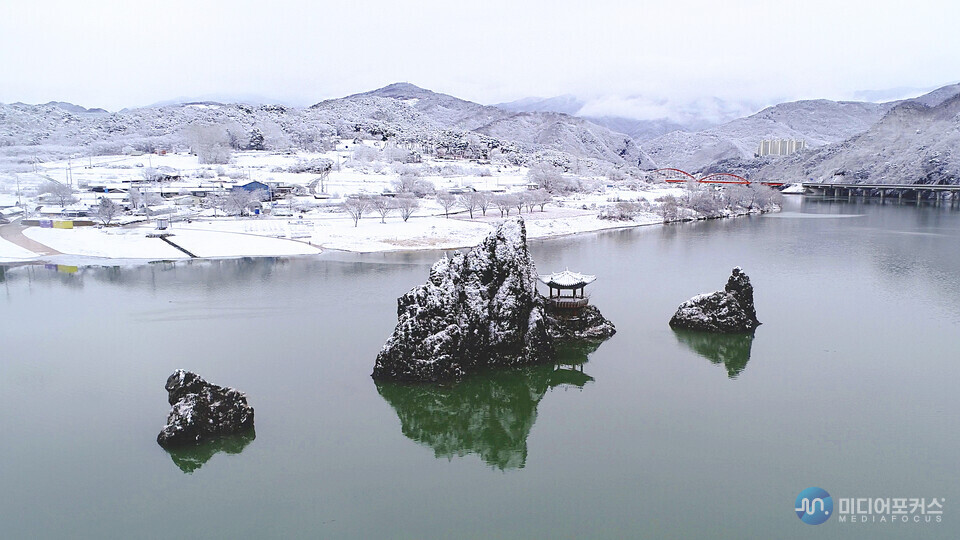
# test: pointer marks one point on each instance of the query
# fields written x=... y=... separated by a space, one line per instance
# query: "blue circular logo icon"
x=814 y=506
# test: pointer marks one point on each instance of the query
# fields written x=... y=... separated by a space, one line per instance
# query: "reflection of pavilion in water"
x=730 y=350
x=488 y=414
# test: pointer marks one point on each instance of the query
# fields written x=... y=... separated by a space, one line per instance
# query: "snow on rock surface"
x=478 y=309
x=202 y=411
x=585 y=324
x=728 y=311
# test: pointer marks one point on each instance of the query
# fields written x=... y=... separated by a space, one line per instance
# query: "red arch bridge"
x=679 y=176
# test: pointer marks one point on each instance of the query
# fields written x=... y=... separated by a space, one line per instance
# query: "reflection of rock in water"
x=731 y=350
x=191 y=458
x=489 y=414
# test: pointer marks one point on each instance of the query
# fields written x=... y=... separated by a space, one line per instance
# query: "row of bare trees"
x=406 y=204
x=472 y=201
x=710 y=202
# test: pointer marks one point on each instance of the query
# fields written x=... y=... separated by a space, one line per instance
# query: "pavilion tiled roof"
x=567 y=279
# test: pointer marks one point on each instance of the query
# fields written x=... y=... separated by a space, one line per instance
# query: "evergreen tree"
x=256 y=140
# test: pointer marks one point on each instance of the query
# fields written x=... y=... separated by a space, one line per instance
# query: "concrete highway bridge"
x=917 y=192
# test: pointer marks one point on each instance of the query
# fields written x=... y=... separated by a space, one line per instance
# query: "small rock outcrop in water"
x=478 y=309
x=584 y=324
x=202 y=411
x=728 y=311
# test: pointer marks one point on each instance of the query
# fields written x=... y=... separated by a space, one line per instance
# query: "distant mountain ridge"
x=401 y=113
x=817 y=122
x=865 y=140
x=410 y=109
x=912 y=143
x=660 y=116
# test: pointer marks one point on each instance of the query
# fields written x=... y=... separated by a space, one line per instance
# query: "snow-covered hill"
x=641 y=118
x=817 y=122
x=418 y=119
x=913 y=143
x=566 y=104
x=409 y=110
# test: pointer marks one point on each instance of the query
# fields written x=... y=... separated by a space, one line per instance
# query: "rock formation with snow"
x=202 y=411
x=584 y=324
x=478 y=309
x=728 y=311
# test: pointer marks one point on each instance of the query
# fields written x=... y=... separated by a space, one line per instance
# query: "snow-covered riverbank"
x=286 y=237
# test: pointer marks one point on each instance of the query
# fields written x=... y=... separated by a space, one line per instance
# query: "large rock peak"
x=479 y=308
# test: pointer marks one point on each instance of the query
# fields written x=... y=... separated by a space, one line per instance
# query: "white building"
x=780 y=147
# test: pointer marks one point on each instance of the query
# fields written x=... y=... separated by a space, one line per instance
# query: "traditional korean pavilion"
x=559 y=282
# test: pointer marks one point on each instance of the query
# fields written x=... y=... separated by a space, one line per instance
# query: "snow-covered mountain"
x=407 y=110
x=913 y=143
x=402 y=113
x=840 y=136
x=566 y=104
x=638 y=130
x=641 y=118
x=817 y=122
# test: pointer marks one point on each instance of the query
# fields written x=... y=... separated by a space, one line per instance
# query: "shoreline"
x=217 y=240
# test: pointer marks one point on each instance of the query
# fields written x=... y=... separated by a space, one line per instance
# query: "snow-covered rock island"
x=728 y=311
x=478 y=309
x=202 y=411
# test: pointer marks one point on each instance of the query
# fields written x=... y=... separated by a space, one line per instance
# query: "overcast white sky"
x=116 y=54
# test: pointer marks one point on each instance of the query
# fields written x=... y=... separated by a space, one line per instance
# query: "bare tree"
x=62 y=192
x=383 y=206
x=504 y=202
x=410 y=182
x=541 y=198
x=669 y=208
x=407 y=204
x=136 y=198
x=356 y=206
x=151 y=174
x=520 y=200
x=483 y=201
x=548 y=177
x=529 y=199
x=767 y=196
x=210 y=143
x=447 y=200
x=238 y=201
x=470 y=200
x=107 y=210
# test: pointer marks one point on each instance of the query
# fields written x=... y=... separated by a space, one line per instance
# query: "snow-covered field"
x=10 y=252
x=304 y=224
x=133 y=243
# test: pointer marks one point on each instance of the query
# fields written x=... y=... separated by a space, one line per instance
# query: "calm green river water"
x=851 y=384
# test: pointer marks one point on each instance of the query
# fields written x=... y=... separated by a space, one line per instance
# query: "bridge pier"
x=882 y=193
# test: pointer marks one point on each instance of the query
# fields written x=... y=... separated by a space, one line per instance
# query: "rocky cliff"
x=478 y=309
